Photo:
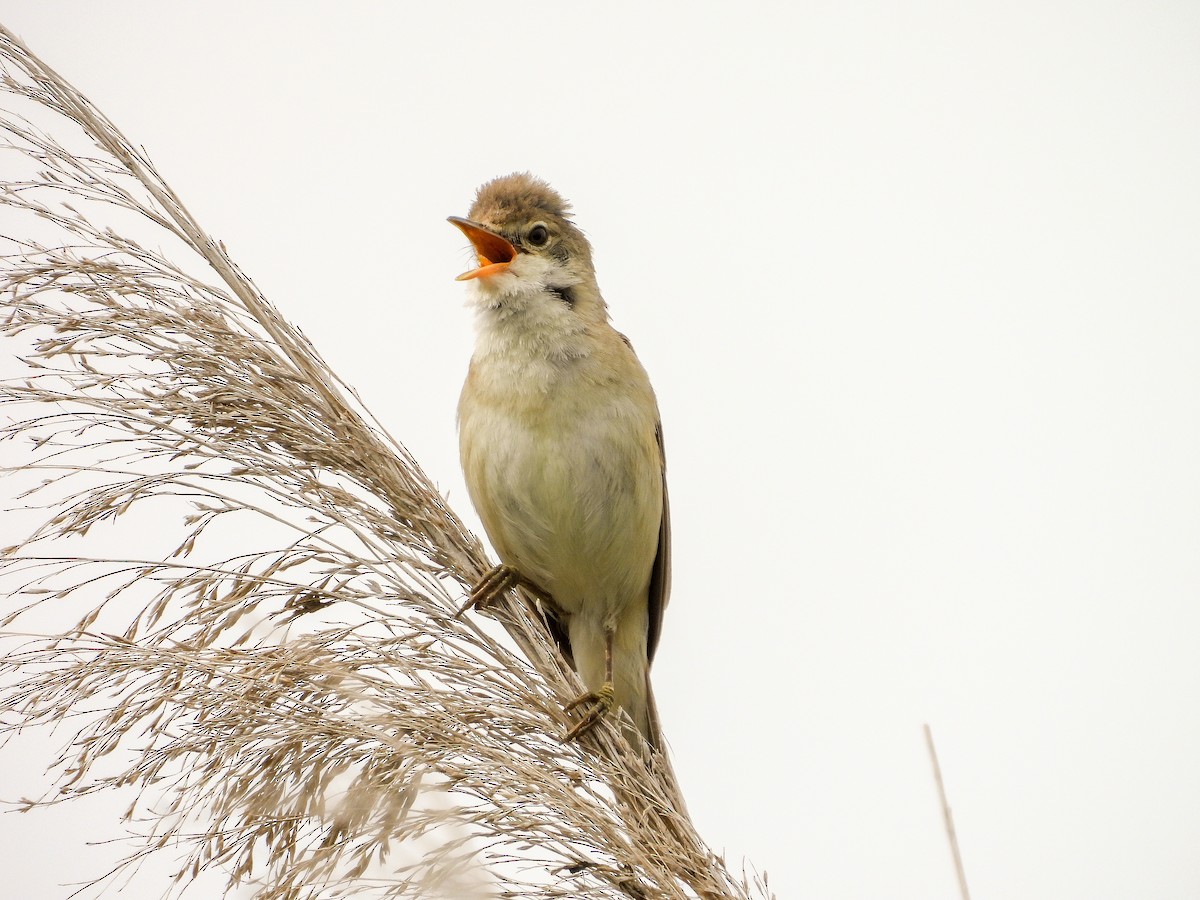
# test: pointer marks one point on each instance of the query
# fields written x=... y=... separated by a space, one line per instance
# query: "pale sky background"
x=917 y=285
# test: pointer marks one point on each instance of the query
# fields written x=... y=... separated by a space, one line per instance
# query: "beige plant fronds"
x=305 y=715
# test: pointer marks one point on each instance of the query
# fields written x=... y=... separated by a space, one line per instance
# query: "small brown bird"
x=561 y=446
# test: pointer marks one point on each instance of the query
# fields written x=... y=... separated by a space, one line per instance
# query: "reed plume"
x=280 y=674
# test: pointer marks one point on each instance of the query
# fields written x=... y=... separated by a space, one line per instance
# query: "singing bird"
x=561 y=446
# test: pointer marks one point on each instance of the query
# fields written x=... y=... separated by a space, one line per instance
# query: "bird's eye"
x=538 y=236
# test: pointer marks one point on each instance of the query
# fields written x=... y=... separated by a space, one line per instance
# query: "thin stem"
x=947 y=817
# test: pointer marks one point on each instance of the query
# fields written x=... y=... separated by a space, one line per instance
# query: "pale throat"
x=524 y=326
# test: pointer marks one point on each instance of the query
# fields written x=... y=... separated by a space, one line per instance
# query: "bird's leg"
x=495 y=583
x=601 y=701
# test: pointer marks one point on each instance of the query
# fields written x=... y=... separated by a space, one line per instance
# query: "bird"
x=561 y=446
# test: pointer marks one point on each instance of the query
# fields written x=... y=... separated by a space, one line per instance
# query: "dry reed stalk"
x=313 y=699
x=947 y=816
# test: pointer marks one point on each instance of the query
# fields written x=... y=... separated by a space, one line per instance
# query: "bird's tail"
x=630 y=670
x=634 y=694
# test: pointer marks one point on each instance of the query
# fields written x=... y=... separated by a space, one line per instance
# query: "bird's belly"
x=574 y=502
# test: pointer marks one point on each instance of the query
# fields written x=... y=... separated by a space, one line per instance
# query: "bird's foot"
x=496 y=582
x=491 y=586
x=599 y=703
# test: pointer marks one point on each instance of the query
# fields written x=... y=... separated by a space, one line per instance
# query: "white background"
x=917 y=287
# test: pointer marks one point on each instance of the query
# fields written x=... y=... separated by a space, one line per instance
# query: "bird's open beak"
x=494 y=252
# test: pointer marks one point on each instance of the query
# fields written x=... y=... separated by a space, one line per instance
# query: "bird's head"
x=531 y=255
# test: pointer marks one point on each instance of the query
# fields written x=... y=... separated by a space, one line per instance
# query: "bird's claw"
x=496 y=582
x=601 y=702
x=491 y=586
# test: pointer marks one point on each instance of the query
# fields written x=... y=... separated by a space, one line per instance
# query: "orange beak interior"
x=494 y=252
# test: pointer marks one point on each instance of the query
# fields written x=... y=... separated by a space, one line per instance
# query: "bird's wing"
x=660 y=575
